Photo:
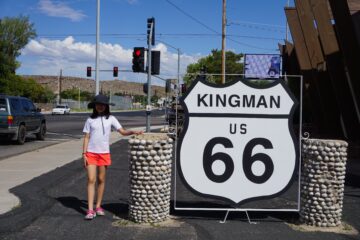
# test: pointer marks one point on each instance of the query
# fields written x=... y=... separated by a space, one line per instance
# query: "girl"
x=96 y=152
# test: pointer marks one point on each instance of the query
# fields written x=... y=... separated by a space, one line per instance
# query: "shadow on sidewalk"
x=119 y=209
x=74 y=203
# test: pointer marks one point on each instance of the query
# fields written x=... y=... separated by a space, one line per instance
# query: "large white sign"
x=238 y=143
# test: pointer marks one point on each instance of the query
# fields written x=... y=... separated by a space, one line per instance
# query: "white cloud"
x=132 y=1
x=60 y=9
x=47 y=56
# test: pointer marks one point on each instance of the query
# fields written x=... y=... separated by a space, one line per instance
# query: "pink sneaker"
x=90 y=215
x=99 y=211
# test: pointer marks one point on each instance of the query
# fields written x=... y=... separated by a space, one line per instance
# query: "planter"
x=322 y=182
x=150 y=177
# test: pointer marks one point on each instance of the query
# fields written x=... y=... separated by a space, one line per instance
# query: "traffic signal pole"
x=148 y=107
x=97 y=65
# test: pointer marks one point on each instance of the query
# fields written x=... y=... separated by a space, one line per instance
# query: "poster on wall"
x=262 y=66
x=238 y=142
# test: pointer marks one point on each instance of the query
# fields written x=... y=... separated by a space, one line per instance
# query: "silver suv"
x=19 y=117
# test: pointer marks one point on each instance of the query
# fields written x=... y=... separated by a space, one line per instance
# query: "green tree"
x=212 y=64
x=74 y=94
x=15 y=33
x=18 y=86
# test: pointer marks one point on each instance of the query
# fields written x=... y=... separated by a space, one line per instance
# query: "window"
x=31 y=106
x=3 y=106
x=25 y=105
x=15 y=105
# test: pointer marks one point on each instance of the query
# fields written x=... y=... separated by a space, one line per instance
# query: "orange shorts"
x=98 y=159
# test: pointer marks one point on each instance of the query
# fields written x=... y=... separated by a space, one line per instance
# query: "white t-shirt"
x=100 y=129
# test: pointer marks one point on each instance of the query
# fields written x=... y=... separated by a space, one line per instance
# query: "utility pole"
x=97 y=47
x=223 y=50
x=287 y=26
x=79 y=99
x=60 y=86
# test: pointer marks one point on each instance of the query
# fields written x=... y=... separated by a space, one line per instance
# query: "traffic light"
x=115 y=71
x=183 y=88
x=155 y=62
x=168 y=86
x=138 y=59
x=88 y=71
x=145 y=88
x=151 y=26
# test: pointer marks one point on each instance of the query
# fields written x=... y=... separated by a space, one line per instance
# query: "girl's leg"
x=91 y=169
x=101 y=185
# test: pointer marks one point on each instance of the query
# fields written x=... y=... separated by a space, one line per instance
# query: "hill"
x=113 y=86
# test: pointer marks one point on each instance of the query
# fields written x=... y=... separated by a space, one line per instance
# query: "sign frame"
x=237 y=207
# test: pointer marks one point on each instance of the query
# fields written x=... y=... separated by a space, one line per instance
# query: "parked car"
x=61 y=109
x=19 y=118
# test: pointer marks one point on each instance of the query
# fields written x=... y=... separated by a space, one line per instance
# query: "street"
x=53 y=206
x=66 y=127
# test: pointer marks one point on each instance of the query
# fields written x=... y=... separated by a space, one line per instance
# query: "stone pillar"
x=322 y=182
x=150 y=177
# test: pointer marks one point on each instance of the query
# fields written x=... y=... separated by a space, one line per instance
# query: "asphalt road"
x=62 y=128
x=54 y=204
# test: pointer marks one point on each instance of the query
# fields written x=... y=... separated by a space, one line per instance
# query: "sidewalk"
x=24 y=167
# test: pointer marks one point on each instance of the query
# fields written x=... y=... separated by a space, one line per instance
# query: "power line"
x=212 y=30
x=259 y=26
x=254 y=23
x=193 y=18
x=120 y=35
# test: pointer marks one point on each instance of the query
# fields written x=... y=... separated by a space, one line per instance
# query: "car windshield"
x=3 y=107
x=60 y=106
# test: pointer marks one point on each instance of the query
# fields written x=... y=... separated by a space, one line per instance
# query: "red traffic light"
x=138 y=52
x=138 y=59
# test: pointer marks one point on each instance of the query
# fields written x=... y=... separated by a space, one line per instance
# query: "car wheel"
x=21 y=135
x=41 y=134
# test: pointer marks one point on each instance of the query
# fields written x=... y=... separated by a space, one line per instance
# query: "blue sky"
x=66 y=32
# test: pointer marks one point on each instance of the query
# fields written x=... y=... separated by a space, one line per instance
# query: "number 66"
x=248 y=160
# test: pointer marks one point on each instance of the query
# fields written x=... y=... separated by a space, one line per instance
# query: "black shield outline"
x=290 y=128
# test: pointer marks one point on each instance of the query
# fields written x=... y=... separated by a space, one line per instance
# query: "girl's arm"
x=125 y=132
x=85 y=146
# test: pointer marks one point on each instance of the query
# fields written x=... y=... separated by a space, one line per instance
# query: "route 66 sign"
x=238 y=142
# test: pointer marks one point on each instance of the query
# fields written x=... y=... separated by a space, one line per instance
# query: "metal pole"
x=223 y=51
x=176 y=97
x=60 y=86
x=79 y=99
x=287 y=26
x=148 y=111
x=178 y=70
x=97 y=47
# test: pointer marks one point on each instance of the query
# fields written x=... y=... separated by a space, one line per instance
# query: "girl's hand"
x=85 y=160
x=138 y=132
